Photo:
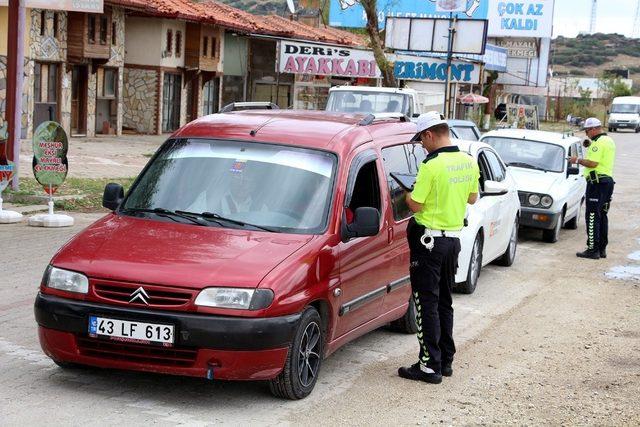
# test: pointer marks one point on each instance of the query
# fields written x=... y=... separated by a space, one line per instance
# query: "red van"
x=251 y=246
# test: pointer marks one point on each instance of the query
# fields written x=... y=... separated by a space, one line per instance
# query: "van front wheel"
x=301 y=369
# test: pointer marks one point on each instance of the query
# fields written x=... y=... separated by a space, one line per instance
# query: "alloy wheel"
x=309 y=354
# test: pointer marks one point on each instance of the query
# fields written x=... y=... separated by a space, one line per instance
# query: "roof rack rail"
x=242 y=106
x=371 y=118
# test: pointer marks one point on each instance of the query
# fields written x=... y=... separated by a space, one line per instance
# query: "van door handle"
x=390 y=235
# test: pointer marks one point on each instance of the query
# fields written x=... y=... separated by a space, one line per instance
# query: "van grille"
x=158 y=296
x=137 y=353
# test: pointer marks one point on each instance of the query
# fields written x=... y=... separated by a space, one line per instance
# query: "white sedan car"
x=551 y=191
x=492 y=230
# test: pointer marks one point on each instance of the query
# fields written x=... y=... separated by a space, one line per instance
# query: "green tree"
x=377 y=43
x=613 y=87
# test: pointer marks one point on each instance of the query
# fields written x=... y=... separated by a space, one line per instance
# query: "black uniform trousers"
x=432 y=280
x=597 y=207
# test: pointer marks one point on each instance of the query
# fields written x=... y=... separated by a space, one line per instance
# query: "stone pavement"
x=102 y=157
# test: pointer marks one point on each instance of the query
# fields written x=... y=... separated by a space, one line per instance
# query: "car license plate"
x=128 y=331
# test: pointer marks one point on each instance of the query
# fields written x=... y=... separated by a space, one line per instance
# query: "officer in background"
x=447 y=180
x=598 y=171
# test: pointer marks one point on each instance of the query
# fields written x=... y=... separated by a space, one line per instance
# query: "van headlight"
x=546 y=201
x=534 y=200
x=65 y=280
x=236 y=298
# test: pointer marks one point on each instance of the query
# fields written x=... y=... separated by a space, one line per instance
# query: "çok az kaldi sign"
x=303 y=58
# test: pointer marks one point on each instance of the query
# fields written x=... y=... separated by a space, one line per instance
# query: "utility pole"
x=636 y=22
x=594 y=10
x=15 y=82
x=452 y=33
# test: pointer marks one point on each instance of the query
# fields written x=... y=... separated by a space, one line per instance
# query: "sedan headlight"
x=236 y=298
x=534 y=200
x=546 y=201
x=65 y=280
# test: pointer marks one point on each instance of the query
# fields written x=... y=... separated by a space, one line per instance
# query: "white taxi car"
x=491 y=233
x=551 y=191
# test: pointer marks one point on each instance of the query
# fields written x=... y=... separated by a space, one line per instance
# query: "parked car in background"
x=464 y=129
x=624 y=113
x=551 y=191
x=376 y=100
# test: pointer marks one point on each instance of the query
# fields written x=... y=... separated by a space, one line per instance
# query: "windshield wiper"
x=168 y=214
x=526 y=165
x=212 y=216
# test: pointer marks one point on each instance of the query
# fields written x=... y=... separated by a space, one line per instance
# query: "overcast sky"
x=574 y=16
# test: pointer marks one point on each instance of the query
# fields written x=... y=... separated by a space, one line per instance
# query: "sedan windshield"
x=236 y=184
x=368 y=102
x=625 y=108
x=529 y=154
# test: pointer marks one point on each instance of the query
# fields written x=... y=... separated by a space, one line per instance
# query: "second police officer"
x=598 y=163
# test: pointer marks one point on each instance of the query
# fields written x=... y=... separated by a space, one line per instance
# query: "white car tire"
x=475 y=266
x=551 y=236
x=509 y=256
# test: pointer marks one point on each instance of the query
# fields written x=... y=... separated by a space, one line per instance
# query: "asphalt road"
x=358 y=384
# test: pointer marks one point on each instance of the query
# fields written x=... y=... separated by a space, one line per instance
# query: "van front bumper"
x=216 y=347
x=539 y=218
x=623 y=125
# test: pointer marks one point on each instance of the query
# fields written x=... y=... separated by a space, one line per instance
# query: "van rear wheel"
x=301 y=369
x=407 y=323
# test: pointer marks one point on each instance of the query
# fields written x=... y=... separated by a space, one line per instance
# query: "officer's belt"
x=444 y=233
x=599 y=179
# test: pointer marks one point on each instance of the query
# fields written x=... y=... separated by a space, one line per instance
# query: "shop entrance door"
x=210 y=96
x=79 y=78
x=171 y=93
x=46 y=83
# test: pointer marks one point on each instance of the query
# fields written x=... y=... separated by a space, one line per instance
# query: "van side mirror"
x=113 y=195
x=573 y=170
x=495 y=188
x=366 y=222
x=608 y=112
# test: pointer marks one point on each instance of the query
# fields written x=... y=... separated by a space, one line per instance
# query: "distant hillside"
x=592 y=54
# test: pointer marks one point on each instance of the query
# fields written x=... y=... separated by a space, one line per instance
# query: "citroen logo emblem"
x=140 y=295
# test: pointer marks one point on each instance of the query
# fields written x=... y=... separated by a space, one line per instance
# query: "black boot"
x=589 y=254
x=603 y=253
x=414 y=373
x=447 y=370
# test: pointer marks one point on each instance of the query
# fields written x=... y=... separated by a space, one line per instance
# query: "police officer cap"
x=428 y=120
x=592 y=122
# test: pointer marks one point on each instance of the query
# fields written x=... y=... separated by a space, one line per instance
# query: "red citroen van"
x=251 y=246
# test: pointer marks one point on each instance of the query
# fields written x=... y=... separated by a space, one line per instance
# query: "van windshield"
x=368 y=102
x=236 y=184
x=625 y=108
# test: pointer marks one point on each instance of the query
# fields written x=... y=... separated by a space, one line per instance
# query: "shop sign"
x=305 y=58
x=435 y=70
x=88 y=6
x=50 y=164
x=349 y=13
x=495 y=58
x=525 y=18
x=523 y=116
x=520 y=48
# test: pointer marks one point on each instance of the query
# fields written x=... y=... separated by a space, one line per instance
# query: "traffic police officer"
x=446 y=182
x=598 y=164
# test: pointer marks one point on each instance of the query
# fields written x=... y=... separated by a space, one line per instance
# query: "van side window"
x=366 y=191
x=404 y=159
